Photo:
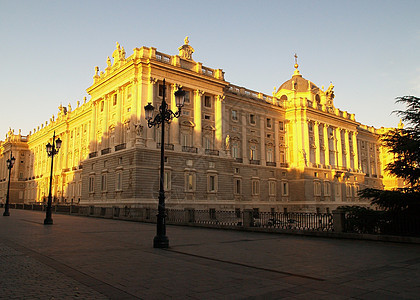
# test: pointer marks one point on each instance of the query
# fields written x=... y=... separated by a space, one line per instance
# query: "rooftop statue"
x=330 y=93
x=186 y=51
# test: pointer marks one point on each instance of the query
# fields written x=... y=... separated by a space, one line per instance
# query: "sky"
x=369 y=50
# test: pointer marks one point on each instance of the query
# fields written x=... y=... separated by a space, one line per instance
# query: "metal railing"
x=295 y=220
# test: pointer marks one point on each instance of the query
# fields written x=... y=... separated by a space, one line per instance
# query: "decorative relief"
x=186 y=51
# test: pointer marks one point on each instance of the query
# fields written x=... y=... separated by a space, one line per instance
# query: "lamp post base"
x=6 y=213
x=161 y=241
x=48 y=222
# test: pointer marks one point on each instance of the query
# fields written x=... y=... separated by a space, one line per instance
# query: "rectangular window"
x=91 y=184
x=327 y=189
x=103 y=182
x=237 y=186
x=114 y=102
x=252 y=119
x=235 y=151
x=348 y=190
x=281 y=125
x=317 y=188
x=187 y=97
x=234 y=115
x=255 y=187
x=285 y=188
x=167 y=181
x=269 y=123
x=272 y=188
x=189 y=182
x=253 y=153
x=270 y=156
x=161 y=90
x=212 y=183
x=207 y=101
x=118 y=181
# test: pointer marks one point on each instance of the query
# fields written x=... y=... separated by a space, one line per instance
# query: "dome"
x=301 y=84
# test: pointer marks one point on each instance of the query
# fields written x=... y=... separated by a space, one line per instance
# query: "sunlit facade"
x=232 y=148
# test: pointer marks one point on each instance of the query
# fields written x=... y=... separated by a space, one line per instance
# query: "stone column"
x=305 y=141
x=119 y=125
x=262 y=140
x=277 y=142
x=339 y=154
x=174 y=127
x=218 y=121
x=326 y=145
x=347 y=143
x=92 y=128
x=375 y=159
x=245 y=152
x=197 y=119
x=151 y=98
x=317 y=145
x=355 y=151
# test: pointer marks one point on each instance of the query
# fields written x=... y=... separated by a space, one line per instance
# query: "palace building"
x=232 y=148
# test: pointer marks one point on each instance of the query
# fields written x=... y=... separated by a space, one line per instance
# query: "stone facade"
x=232 y=148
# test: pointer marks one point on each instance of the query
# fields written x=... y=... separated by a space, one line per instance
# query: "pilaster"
x=347 y=151
x=218 y=121
x=262 y=140
x=197 y=118
x=317 y=146
x=174 y=127
x=355 y=152
x=326 y=146
x=339 y=153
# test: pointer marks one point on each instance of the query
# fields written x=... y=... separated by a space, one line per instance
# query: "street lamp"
x=10 y=162
x=164 y=115
x=51 y=151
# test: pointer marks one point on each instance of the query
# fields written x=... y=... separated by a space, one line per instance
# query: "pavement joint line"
x=245 y=265
x=85 y=279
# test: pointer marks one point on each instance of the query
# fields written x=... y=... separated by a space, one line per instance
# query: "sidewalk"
x=89 y=258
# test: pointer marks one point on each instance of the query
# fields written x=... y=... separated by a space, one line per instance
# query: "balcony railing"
x=270 y=164
x=105 y=151
x=212 y=152
x=254 y=162
x=167 y=146
x=120 y=147
x=239 y=159
x=93 y=154
x=189 y=149
x=284 y=165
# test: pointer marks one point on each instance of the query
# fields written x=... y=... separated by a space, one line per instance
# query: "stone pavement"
x=89 y=258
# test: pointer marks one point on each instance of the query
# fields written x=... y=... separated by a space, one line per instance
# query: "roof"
x=301 y=84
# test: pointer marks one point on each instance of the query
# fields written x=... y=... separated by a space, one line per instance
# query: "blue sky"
x=368 y=49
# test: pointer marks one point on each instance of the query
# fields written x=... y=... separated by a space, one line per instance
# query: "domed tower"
x=297 y=88
x=303 y=101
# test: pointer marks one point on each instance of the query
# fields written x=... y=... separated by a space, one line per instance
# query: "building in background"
x=232 y=148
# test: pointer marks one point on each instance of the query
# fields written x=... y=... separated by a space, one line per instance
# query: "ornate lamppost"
x=164 y=115
x=51 y=151
x=10 y=162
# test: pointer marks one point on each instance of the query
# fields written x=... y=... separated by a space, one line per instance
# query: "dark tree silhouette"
x=404 y=144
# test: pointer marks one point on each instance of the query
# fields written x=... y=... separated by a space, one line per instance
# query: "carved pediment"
x=188 y=123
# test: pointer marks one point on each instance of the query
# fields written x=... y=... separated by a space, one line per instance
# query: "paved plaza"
x=92 y=258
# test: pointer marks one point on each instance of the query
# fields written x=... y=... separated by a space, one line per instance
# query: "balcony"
x=93 y=154
x=105 y=151
x=189 y=149
x=120 y=147
x=167 y=146
x=270 y=164
x=212 y=152
x=284 y=165
x=254 y=162
x=239 y=159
